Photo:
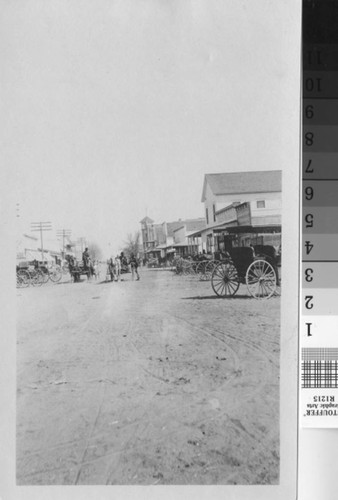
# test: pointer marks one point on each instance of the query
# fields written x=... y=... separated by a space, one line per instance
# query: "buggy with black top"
x=256 y=265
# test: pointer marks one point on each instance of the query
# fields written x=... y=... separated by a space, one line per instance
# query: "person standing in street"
x=117 y=268
x=134 y=267
x=110 y=269
x=85 y=258
x=124 y=262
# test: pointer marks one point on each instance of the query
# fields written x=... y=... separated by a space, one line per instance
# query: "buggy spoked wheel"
x=22 y=279
x=201 y=270
x=261 y=279
x=209 y=269
x=37 y=278
x=224 y=280
x=186 y=268
x=55 y=275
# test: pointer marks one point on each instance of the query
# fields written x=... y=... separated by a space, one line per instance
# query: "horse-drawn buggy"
x=256 y=266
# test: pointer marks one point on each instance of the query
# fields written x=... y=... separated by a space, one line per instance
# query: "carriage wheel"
x=224 y=280
x=201 y=270
x=186 y=268
x=22 y=279
x=37 y=278
x=25 y=278
x=261 y=279
x=55 y=275
x=194 y=267
x=209 y=268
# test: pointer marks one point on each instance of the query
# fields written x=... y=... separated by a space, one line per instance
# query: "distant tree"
x=95 y=251
x=132 y=244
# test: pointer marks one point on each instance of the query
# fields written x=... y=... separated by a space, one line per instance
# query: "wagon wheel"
x=37 y=278
x=194 y=267
x=199 y=267
x=261 y=279
x=55 y=275
x=24 y=278
x=201 y=270
x=209 y=269
x=224 y=280
x=21 y=280
x=186 y=268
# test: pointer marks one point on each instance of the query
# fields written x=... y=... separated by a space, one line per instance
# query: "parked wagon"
x=257 y=267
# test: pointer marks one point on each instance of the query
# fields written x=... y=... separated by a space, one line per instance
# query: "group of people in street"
x=115 y=266
x=120 y=264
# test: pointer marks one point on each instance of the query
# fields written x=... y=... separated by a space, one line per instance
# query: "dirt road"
x=148 y=382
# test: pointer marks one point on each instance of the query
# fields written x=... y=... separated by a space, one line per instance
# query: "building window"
x=207 y=215
x=260 y=204
x=214 y=212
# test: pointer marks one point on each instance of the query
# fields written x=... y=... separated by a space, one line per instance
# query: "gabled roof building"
x=261 y=189
x=247 y=199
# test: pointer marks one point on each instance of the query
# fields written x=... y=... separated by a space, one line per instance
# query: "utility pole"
x=41 y=227
x=63 y=233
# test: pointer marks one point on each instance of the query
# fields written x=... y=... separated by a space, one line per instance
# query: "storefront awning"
x=249 y=229
x=179 y=245
x=211 y=229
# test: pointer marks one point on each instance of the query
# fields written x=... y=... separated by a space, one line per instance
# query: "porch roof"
x=277 y=228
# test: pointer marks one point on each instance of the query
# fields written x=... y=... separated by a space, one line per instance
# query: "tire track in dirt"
x=90 y=325
x=138 y=429
x=222 y=337
x=213 y=332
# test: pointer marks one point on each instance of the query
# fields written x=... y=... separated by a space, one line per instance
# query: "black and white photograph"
x=154 y=165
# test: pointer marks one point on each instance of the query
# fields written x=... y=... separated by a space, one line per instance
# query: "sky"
x=119 y=108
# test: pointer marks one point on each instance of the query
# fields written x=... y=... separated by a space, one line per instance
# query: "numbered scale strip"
x=319 y=309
